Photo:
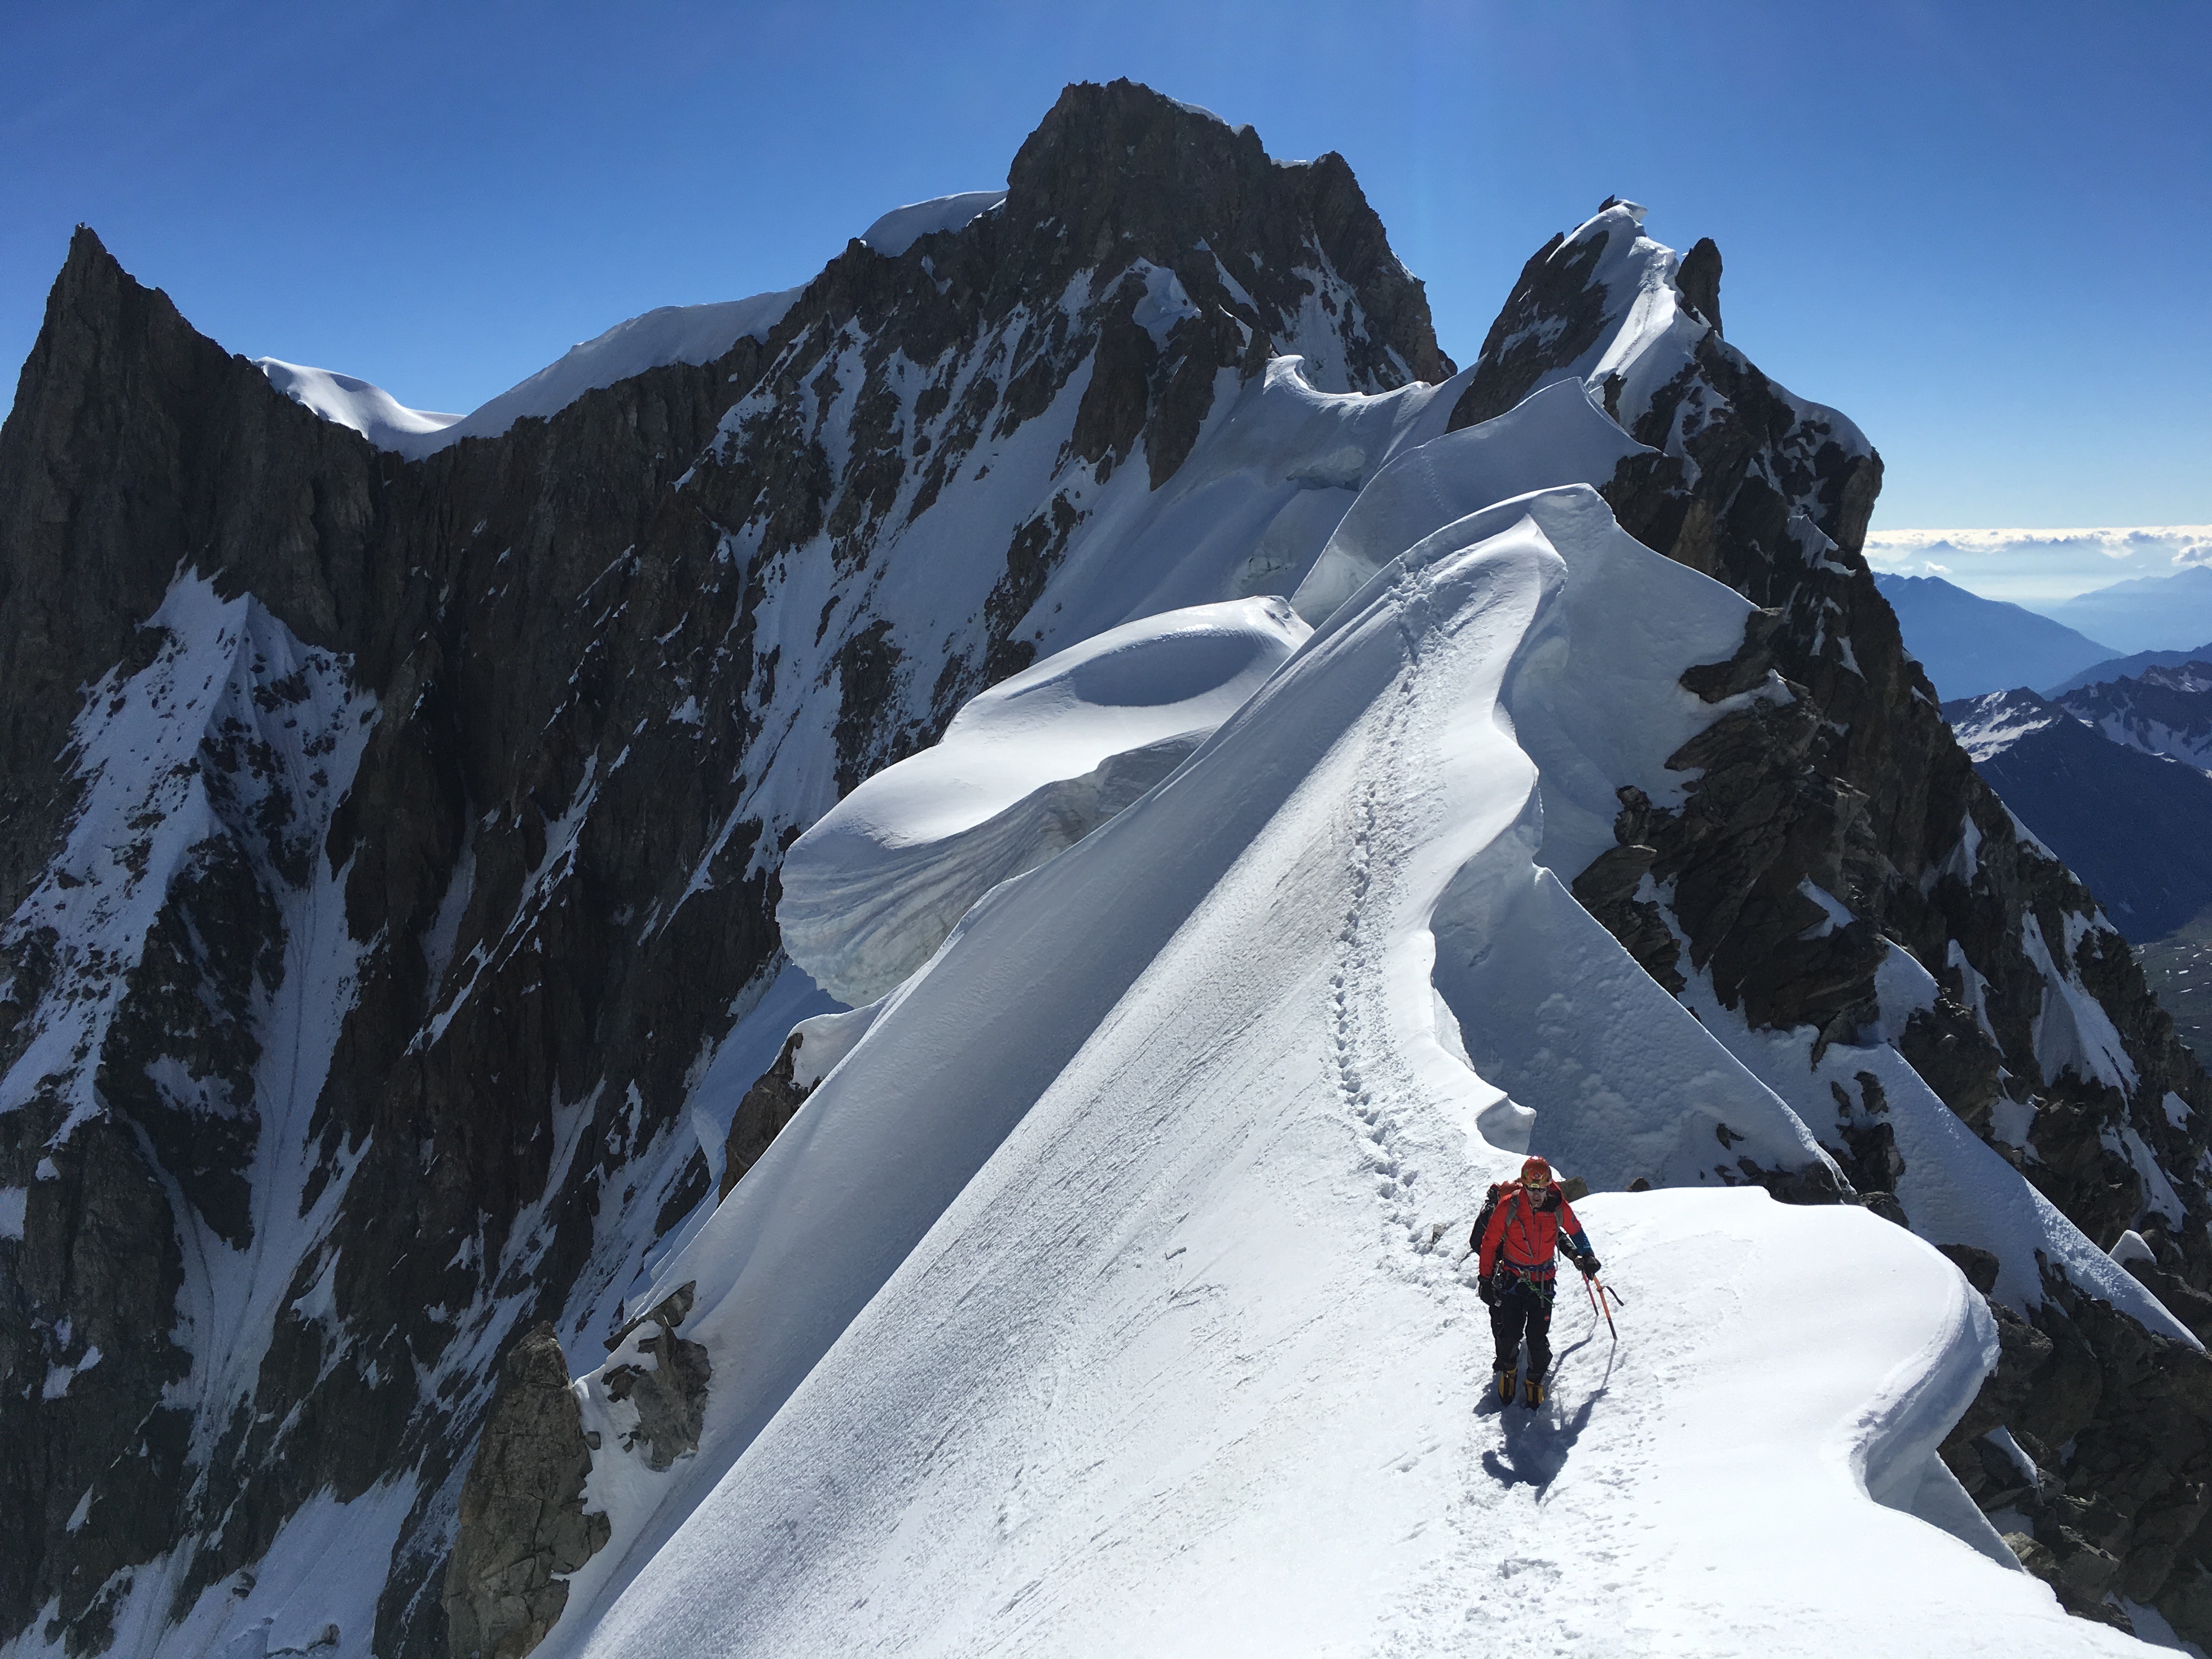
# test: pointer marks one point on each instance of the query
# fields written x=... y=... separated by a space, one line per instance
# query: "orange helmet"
x=1538 y=1171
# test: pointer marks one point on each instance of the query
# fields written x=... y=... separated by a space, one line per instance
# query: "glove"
x=1588 y=1265
x=1488 y=1292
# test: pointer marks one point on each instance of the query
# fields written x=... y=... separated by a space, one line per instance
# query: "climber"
x=1516 y=1248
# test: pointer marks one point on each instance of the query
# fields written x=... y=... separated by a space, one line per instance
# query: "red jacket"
x=1527 y=1231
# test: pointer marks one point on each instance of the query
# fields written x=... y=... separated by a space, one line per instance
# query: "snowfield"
x=1110 y=1295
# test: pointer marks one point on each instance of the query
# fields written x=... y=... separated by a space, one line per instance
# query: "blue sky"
x=1984 y=232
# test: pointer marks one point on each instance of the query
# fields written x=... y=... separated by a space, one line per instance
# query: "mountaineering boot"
x=1532 y=1392
x=1506 y=1387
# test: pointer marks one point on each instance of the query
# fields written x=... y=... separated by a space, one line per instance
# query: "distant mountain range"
x=2150 y=613
x=2129 y=823
x=2113 y=777
x=2162 y=711
x=1970 y=645
x=2127 y=668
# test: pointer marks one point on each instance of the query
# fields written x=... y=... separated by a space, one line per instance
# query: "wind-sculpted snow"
x=1555 y=436
x=1128 y=1240
x=368 y=409
x=902 y=227
x=1027 y=767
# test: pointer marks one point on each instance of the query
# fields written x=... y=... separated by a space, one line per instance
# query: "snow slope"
x=1108 y=1295
x=901 y=227
x=1027 y=768
x=368 y=409
x=1553 y=436
x=667 y=334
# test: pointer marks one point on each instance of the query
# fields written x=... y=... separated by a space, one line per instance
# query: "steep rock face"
x=458 y=882
x=523 y=1527
x=1820 y=838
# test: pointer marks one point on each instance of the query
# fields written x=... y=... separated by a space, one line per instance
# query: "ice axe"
x=1597 y=1300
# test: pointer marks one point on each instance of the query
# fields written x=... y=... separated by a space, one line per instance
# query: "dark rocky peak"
x=1119 y=172
x=135 y=446
x=1123 y=198
x=1558 y=311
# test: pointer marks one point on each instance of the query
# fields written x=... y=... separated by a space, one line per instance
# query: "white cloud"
x=2028 y=566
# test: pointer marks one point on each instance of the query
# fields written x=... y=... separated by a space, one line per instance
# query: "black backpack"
x=1482 y=1219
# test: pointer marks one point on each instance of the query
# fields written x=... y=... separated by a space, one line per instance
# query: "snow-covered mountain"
x=1262 y=778
x=2128 y=820
x=2126 y=668
x=2160 y=711
x=1969 y=645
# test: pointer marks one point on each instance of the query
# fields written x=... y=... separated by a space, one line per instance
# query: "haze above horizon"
x=1978 y=231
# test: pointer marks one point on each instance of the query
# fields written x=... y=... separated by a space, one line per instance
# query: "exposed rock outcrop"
x=669 y=1394
x=770 y=1103
x=523 y=1524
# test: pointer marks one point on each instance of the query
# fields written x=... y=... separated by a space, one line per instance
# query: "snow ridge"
x=1156 y=1217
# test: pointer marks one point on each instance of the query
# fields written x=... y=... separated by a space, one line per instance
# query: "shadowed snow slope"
x=368 y=409
x=1027 y=767
x=1127 y=1243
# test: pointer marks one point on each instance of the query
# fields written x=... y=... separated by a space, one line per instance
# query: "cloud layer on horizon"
x=2028 y=566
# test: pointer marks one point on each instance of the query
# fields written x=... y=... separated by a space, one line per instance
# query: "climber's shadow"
x=1535 y=1444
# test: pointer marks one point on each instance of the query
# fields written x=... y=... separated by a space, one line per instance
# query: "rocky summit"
x=432 y=1180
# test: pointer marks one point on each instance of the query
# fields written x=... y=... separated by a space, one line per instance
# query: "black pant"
x=1521 y=1310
